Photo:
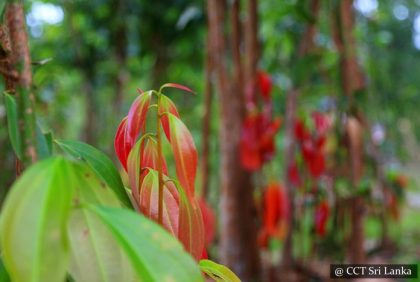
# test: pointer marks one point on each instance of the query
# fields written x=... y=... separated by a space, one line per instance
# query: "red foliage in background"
x=312 y=144
x=257 y=145
x=275 y=214
x=322 y=213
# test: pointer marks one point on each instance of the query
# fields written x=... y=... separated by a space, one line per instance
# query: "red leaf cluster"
x=322 y=213
x=139 y=155
x=257 y=144
x=312 y=145
x=275 y=214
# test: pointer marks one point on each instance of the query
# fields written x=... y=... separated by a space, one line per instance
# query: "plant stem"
x=159 y=161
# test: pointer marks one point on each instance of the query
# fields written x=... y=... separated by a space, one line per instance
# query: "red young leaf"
x=293 y=175
x=301 y=133
x=178 y=86
x=137 y=116
x=149 y=201
x=322 y=213
x=265 y=84
x=275 y=213
x=121 y=145
x=185 y=153
x=209 y=219
x=150 y=157
x=191 y=226
x=321 y=121
x=251 y=158
x=167 y=106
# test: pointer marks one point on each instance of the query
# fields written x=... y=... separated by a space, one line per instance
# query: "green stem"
x=159 y=162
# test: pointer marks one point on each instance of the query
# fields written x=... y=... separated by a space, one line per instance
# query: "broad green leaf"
x=99 y=163
x=12 y=124
x=95 y=254
x=154 y=253
x=218 y=272
x=33 y=235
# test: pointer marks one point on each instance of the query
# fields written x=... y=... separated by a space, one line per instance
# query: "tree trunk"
x=238 y=248
x=206 y=131
x=351 y=81
x=18 y=78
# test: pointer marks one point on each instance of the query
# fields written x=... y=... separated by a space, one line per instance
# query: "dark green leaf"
x=99 y=163
x=12 y=123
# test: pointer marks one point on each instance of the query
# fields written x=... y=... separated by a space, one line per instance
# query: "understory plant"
x=69 y=217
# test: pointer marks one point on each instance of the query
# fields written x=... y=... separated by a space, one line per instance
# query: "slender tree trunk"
x=351 y=81
x=206 y=131
x=238 y=237
x=18 y=78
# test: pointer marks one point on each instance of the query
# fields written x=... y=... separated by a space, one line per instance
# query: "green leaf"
x=99 y=163
x=12 y=124
x=154 y=253
x=95 y=254
x=44 y=144
x=4 y=276
x=218 y=272
x=33 y=235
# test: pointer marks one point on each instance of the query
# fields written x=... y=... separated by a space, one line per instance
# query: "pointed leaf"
x=150 y=157
x=166 y=106
x=95 y=254
x=218 y=272
x=154 y=253
x=121 y=145
x=191 y=225
x=136 y=118
x=33 y=222
x=149 y=201
x=100 y=164
x=44 y=143
x=185 y=153
x=178 y=86
x=12 y=124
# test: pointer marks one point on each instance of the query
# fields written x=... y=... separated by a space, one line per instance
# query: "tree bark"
x=206 y=131
x=18 y=78
x=351 y=81
x=238 y=248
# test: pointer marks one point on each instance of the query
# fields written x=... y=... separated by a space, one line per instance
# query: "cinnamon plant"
x=170 y=201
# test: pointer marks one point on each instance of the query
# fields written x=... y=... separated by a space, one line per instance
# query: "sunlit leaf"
x=185 y=153
x=100 y=164
x=218 y=272
x=33 y=222
x=12 y=124
x=154 y=253
x=95 y=254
